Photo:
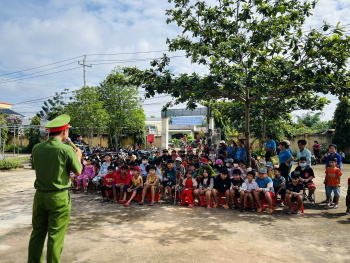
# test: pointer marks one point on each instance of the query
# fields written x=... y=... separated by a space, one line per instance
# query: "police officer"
x=52 y=160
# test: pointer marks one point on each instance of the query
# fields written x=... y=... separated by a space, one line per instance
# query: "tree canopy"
x=255 y=50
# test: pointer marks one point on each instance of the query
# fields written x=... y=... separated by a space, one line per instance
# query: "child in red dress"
x=189 y=185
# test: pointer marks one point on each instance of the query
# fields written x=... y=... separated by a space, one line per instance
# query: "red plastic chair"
x=265 y=205
x=279 y=200
x=156 y=197
x=205 y=202
x=295 y=207
x=222 y=199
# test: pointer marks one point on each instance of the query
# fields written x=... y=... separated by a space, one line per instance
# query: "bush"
x=8 y=164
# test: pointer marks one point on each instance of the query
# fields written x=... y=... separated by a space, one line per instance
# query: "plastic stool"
x=295 y=207
x=156 y=197
x=205 y=202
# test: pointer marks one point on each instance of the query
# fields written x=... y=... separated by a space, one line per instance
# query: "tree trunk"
x=247 y=131
x=263 y=133
x=116 y=139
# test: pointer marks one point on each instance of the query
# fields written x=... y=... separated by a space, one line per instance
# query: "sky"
x=43 y=42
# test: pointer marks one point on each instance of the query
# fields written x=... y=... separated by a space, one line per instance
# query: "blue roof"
x=11 y=112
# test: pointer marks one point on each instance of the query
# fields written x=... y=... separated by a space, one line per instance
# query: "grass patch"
x=8 y=164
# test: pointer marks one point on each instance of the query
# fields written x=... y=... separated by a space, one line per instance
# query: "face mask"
x=227 y=165
x=235 y=165
x=202 y=164
x=302 y=164
x=231 y=145
x=144 y=162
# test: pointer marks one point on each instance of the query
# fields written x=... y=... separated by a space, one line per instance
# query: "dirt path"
x=166 y=233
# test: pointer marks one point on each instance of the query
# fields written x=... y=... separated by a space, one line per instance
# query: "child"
x=229 y=164
x=123 y=182
x=109 y=184
x=264 y=190
x=306 y=176
x=169 y=178
x=262 y=161
x=247 y=190
x=236 y=167
x=192 y=168
x=189 y=185
x=143 y=165
x=222 y=185
x=244 y=170
x=103 y=170
x=89 y=172
x=348 y=199
x=236 y=183
x=294 y=193
x=212 y=156
x=151 y=184
x=332 y=181
x=136 y=186
x=163 y=168
x=205 y=186
x=270 y=171
x=178 y=165
x=279 y=185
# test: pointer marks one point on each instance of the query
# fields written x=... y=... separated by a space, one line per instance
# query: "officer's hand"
x=79 y=153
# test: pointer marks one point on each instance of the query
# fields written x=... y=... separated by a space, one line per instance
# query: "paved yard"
x=166 y=233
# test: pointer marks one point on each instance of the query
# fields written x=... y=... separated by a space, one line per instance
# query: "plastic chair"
x=205 y=202
x=221 y=199
x=265 y=205
x=156 y=197
x=295 y=207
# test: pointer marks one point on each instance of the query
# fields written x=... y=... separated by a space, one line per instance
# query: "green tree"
x=341 y=121
x=309 y=119
x=87 y=112
x=4 y=130
x=34 y=134
x=53 y=107
x=255 y=50
x=125 y=113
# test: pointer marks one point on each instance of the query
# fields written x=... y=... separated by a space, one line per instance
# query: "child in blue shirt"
x=264 y=190
x=279 y=185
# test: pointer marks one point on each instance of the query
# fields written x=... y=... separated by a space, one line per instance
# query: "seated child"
x=279 y=185
x=109 y=184
x=270 y=171
x=306 y=176
x=236 y=183
x=103 y=170
x=348 y=199
x=205 y=185
x=247 y=190
x=262 y=162
x=264 y=190
x=162 y=170
x=192 y=168
x=88 y=172
x=332 y=181
x=169 y=179
x=236 y=167
x=294 y=193
x=222 y=185
x=123 y=183
x=151 y=185
x=189 y=185
x=136 y=185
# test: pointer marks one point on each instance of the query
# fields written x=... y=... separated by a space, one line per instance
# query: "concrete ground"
x=165 y=233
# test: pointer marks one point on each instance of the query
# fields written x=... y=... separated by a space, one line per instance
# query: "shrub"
x=8 y=164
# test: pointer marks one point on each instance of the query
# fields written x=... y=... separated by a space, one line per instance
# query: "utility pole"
x=84 y=65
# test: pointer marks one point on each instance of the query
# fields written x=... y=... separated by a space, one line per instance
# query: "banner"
x=187 y=121
x=150 y=138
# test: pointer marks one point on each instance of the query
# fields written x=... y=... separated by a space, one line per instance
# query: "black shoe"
x=311 y=199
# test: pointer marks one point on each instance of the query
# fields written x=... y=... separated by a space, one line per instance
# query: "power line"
x=132 y=53
x=39 y=66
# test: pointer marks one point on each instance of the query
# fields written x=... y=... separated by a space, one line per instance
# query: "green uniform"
x=52 y=161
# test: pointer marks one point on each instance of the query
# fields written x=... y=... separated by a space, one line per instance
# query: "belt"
x=59 y=190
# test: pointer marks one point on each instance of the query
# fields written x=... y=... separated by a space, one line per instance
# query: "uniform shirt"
x=284 y=156
x=306 y=173
x=265 y=183
x=249 y=186
x=137 y=181
x=271 y=144
x=170 y=174
x=121 y=180
x=306 y=153
x=79 y=145
x=151 y=180
x=332 y=176
x=222 y=185
x=277 y=182
x=52 y=161
x=238 y=182
x=110 y=179
x=337 y=156
x=295 y=188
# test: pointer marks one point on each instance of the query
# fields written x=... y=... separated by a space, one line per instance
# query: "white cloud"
x=35 y=33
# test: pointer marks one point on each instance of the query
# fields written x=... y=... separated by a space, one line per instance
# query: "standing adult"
x=240 y=151
x=79 y=144
x=52 y=161
x=303 y=152
x=316 y=147
x=285 y=158
x=230 y=149
x=270 y=147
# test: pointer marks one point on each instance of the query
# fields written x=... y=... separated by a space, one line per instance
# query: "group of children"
x=228 y=182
